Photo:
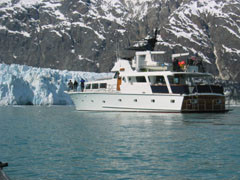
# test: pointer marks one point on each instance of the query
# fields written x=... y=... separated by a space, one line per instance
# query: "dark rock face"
x=85 y=35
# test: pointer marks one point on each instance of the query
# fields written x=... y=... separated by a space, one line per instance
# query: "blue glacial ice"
x=23 y=85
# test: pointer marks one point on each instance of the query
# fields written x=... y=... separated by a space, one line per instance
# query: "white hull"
x=126 y=102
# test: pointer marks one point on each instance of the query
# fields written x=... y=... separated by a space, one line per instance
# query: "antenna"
x=117 y=50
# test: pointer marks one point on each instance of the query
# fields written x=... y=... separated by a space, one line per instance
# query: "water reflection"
x=230 y=118
x=164 y=118
x=127 y=117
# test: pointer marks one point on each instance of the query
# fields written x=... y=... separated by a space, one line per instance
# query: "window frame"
x=95 y=86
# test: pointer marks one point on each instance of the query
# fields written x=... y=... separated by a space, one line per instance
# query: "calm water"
x=60 y=143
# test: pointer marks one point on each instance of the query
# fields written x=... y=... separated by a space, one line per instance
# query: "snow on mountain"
x=22 y=85
x=138 y=8
x=116 y=11
x=25 y=3
x=189 y=29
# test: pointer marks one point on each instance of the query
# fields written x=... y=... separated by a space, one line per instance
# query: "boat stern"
x=203 y=103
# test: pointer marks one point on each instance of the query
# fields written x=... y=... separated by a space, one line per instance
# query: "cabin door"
x=119 y=82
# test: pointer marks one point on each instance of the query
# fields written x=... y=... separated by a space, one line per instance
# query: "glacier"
x=26 y=85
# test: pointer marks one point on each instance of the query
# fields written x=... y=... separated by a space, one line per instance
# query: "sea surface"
x=60 y=143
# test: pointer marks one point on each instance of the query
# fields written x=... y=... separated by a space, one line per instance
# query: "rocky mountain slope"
x=85 y=34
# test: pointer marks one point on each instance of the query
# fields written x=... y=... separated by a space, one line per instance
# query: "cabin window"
x=103 y=85
x=158 y=84
x=157 y=80
x=178 y=84
x=94 y=86
x=124 y=79
x=159 y=89
x=139 y=79
x=142 y=58
x=116 y=75
x=188 y=79
x=202 y=80
x=176 y=79
x=88 y=86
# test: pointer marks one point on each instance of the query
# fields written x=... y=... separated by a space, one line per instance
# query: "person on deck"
x=182 y=65
x=176 y=67
x=200 y=66
x=75 y=85
x=82 y=84
x=70 y=85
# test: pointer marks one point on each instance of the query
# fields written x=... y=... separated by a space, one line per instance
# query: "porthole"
x=172 y=100
x=135 y=100
x=153 y=100
x=92 y=100
x=104 y=101
x=120 y=100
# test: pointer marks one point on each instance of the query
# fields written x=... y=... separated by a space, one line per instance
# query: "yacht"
x=148 y=84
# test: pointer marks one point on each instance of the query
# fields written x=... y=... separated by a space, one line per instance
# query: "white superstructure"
x=151 y=85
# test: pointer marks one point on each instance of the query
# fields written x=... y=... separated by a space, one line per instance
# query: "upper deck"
x=145 y=76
